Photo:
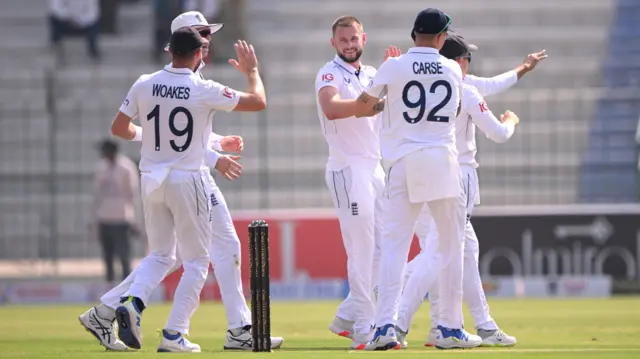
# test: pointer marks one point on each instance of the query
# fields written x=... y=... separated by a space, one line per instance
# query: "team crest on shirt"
x=354 y=208
x=228 y=93
x=347 y=81
x=483 y=106
x=327 y=77
x=126 y=102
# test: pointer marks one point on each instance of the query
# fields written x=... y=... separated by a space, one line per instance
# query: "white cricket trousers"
x=399 y=216
x=180 y=203
x=356 y=192
x=417 y=269
x=226 y=259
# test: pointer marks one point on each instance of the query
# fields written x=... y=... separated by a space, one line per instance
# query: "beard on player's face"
x=353 y=56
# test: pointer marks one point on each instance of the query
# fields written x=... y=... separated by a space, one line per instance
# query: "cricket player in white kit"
x=225 y=246
x=474 y=113
x=178 y=104
x=354 y=175
x=422 y=91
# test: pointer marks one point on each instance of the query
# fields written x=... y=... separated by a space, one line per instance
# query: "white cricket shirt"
x=475 y=112
x=174 y=107
x=350 y=139
x=423 y=94
x=491 y=85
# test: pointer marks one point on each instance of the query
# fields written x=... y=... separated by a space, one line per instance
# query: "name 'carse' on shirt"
x=427 y=68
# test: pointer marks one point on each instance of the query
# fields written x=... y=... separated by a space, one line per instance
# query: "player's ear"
x=333 y=43
x=364 y=38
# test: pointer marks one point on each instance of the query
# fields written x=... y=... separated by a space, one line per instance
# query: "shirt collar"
x=423 y=50
x=180 y=71
x=348 y=67
x=201 y=66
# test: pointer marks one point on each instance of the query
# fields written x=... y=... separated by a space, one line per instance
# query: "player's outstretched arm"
x=488 y=86
x=123 y=128
x=530 y=62
x=255 y=99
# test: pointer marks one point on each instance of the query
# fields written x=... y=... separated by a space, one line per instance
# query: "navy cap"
x=456 y=46
x=430 y=22
x=185 y=40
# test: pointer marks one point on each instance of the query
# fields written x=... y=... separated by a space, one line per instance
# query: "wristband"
x=138 y=136
x=211 y=158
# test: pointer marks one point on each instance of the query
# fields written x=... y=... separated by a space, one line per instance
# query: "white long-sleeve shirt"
x=475 y=112
x=488 y=86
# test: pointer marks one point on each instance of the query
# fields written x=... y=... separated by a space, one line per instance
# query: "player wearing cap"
x=353 y=174
x=422 y=91
x=196 y=20
x=177 y=104
x=474 y=295
x=225 y=246
x=474 y=112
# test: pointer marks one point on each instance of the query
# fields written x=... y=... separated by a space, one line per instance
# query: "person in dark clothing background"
x=115 y=193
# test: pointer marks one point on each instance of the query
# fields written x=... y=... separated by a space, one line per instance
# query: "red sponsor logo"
x=327 y=77
x=228 y=93
x=483 y=106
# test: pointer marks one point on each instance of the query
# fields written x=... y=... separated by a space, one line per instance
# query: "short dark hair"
x=185 y=42
x=108 y=146
x=345 y=21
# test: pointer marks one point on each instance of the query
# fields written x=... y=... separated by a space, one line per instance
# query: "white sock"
x=105 y=312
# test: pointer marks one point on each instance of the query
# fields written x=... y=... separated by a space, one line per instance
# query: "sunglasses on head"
x=205 y=32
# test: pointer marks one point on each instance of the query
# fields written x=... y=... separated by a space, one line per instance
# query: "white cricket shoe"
x=360 y=340
x=456 y=339
x=496 y=338
x=431 y=338
x=102 y=329
x=244 y=340
x=402 y=338
x=176 y=343
x=342 y=327
x=383 y=339
x=129 y=317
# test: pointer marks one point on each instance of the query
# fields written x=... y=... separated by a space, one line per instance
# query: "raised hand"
x=247 y=61
x=392 y=51
x=531 y=61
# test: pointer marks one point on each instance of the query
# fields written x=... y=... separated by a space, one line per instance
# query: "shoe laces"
x=499 y=334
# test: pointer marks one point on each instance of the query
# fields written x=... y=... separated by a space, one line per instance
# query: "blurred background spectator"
x=75 y=18
x=115 y=194
x=164 y=12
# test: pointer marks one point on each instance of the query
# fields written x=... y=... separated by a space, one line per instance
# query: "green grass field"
x=583 y=329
